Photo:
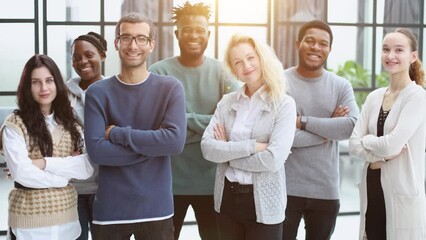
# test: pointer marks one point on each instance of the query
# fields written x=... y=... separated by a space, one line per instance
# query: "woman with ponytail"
x=390 y=137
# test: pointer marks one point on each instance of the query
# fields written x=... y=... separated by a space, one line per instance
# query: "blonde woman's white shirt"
x=248 y=114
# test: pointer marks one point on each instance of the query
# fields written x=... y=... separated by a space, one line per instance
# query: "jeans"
x=85 y=214
x=154 y=230
x=319 y=216
x=237 y=218
x=203 y=206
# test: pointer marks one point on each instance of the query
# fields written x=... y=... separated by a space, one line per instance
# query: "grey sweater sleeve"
x=337 y=128
x=307 y=139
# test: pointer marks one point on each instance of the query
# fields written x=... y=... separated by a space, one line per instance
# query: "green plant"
x=360 y=78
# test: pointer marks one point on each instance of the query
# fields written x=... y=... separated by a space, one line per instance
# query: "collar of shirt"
x=261 y=93
x=50 y=121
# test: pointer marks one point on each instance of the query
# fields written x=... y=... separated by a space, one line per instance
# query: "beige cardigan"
x=402 y=178
x=42 y=207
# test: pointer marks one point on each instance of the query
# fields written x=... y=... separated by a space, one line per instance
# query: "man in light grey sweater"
x=327 y=113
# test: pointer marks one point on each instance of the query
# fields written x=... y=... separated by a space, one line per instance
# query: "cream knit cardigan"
x=402 y=178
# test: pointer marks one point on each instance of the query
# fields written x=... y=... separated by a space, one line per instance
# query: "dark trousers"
x=375 y=217
x=204 y=214
x=155 y=230
x=319 y=216
x=85 y=214
x=237 y=218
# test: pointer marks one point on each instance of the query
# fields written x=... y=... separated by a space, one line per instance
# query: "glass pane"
x=15 y=10
x=343 y=47
x=168 y=44
x=300 y=11
x=6 y=185
x=112 y=61
x=351 y=57
x=381 y=75
x=75 y=10
x=286 y=44
x=350 y=175
x=113 y=10
x=59 y=40
x=379 y=39
x=180 y=3
x=7 y=101
x=351 y=43
x=19 y=39
x=350 y=11
x=148 y=8
x=398 y=12
x=225 y=34
x=424 y=48
x=255 y=11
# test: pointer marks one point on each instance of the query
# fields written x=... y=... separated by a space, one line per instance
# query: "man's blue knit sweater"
x=135 y=183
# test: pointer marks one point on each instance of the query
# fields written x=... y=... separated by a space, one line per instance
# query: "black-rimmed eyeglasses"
x=127 y=39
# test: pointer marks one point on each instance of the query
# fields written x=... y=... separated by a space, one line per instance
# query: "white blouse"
x=246 y=117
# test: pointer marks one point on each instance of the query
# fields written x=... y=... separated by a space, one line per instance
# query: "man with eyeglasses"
x=205 y=82
x=134 y=121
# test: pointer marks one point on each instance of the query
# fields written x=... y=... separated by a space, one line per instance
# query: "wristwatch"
x=303 y=121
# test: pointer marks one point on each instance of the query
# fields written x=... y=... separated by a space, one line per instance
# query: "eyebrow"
x=398 y=45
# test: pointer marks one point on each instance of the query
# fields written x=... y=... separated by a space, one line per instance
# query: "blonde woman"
x=250 y=136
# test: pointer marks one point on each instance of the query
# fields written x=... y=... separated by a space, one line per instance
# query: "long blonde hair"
x=271 y=67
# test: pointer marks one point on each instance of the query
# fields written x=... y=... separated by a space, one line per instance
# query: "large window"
x=49 y=26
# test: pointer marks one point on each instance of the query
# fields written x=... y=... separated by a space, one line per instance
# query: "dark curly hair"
x=30 y=111
x=187 y=9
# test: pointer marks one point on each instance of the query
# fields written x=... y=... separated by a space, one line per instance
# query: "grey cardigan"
x=277 y=127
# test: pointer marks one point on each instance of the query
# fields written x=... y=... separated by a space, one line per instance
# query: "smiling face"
x=87 y=61
x=313 y=51
x=43 y=88
x=193 y=35
x=245 y=64
x=397 y=54
x=133 y=55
